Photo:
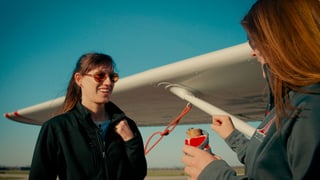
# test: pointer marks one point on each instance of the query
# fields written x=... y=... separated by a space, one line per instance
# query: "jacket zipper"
x=102 y=151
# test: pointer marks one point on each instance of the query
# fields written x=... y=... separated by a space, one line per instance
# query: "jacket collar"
x=114 y=111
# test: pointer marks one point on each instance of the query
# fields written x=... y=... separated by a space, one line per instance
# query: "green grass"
x=179 y=171
x=10 y=178
x=151 y=172
x=165 y=172
x=18 y=173
x=14 y=172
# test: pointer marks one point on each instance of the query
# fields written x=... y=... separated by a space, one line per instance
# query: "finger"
x=216 y=122
x=218 y=118
x=187 y=170
x=122 y=124
x=191 y=172
x=187 y=160
x=217 y=157
x=190 y=150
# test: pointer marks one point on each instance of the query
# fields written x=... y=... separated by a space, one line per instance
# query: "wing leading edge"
x=228 y=78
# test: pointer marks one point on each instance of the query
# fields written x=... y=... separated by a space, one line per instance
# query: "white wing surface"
x=228 y=79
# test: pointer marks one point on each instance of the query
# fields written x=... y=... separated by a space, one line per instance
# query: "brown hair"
x=86 y=63
x=287 y=34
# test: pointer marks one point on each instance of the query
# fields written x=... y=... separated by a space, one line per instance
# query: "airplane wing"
x=224 y=81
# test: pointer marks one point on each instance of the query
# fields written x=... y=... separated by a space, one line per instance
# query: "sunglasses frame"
x=102 y=76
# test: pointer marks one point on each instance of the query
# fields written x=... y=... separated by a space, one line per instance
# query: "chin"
x=106 y=101
x=103 y=101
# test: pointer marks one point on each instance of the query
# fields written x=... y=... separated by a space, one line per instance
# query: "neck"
x=97 y=112
x=99 y=117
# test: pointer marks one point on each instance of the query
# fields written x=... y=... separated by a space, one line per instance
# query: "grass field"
x=21 y=174
x=14 y=175
x=179 y=171
x=165 y=172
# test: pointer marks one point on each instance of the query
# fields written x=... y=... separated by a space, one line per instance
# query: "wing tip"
x=15 y=116
x=9 y=115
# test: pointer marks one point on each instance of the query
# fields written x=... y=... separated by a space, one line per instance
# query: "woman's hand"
x=123 y=129
x=196 y=160
x=222 y=125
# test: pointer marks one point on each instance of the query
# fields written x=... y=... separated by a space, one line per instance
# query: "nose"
x=107 y=80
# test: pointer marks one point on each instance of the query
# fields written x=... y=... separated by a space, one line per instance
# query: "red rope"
x=170 y=127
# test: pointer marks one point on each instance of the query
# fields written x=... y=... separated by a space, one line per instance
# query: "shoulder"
x=306 y=111
x=61 y=121
x=310 y=98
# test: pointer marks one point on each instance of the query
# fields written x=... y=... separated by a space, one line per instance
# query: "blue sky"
x=42 y=40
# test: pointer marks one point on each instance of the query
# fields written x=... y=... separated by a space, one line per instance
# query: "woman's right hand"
x=196 y=160
x=222 y=124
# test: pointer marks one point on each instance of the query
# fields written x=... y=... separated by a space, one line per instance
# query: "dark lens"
x=114 y=77
x=99 y=76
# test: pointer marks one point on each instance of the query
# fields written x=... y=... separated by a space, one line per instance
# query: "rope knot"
x=165 y=132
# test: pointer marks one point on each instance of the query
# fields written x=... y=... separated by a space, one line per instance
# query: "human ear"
x=78 y=79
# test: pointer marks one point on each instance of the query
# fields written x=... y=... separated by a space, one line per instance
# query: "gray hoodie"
x=291 y=153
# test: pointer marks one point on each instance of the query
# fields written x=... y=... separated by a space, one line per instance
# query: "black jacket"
x=70 y=146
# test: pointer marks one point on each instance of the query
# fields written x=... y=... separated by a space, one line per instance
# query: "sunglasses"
x=102 y=76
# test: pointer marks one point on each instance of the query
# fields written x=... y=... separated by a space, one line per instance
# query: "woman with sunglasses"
x=92 y=138
x=285 y=37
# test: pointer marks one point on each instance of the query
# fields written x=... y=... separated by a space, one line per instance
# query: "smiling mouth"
x=105 y=90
